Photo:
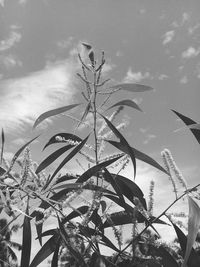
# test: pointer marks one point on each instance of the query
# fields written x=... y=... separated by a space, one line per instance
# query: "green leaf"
x=132 y=87
x=127 y=149
x=139 y=155
x=69 y=157
x=63 y=136
x=189 y=122
x=193 y=227
x=51 y=158
x=26 y=241
x=2 y=144
x=194 y=259
x=126 y=102
x=46 y=250
x=87 y=46
x=53 y=112
x=92 y=171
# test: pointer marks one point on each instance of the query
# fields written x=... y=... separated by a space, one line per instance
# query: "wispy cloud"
x=168 y=37
x=162 y=77
x=136 y=76
x=24 y=99
x=191 y=52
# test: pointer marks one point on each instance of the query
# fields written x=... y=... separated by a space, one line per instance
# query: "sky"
x=155 y=42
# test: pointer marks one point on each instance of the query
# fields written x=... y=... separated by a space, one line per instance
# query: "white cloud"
x=191 y=52
x=10 y=61
x=168 y=37
x=22 y=100
x=192 y=29
x=136 y=76
x=185 y=17
x=13 y=38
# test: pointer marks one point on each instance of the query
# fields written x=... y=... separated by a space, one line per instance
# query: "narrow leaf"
x=69 y=157
x=2 y=144
x=53 y=112
x=51 y=158
x=54 y=262
x=46 y=250
x=128 y=103
x=132 y=87
x=87 y=46
x=20 y=151
x=92 y=171
x=139 y=155
x=26 y=241
x=193 y=227
x=127 y=149
x=189 y=122
x=61 y=137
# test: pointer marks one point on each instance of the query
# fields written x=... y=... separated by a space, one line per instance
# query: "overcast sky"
x=150 y=42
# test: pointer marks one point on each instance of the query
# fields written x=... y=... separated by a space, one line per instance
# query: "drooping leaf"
x=61 y=138
x=2 y=144
x=103 y=205
x=128 y=103
x=132 y=87
x=130 y=189
x=69 y=157
x=51 y=158
x=139 y=155
x=26 y=241
x=189 y=122
x=20 y=151
x=127 y=149
x=96 y=219
x=46 y=250
x=2 y=171
x=53 y=112
x=75 y=213
x=93 y=170
x=112 y=180
x=194 y=259
x=193 y=227
x=65 y=178
x=166 y=258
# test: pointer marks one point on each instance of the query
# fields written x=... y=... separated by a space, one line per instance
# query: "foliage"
x=81 y=230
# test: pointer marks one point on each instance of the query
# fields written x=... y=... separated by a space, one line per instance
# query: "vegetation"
x=83 y=222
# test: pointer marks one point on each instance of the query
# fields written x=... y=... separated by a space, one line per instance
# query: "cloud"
x=168 y=37
x=192 y=29
x=10 y=61
x=22 y=100
x=13 y=38
x=191 y=52
x=136 y=76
